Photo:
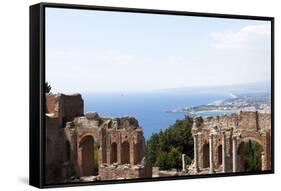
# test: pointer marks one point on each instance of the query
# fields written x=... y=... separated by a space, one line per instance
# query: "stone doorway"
x=206 y=156
x=138 y=155
x=219 y=155
x=125 y=156
x=89 y=156
x=113 y=154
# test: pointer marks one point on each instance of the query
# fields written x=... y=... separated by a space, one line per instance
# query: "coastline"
x=214 y=111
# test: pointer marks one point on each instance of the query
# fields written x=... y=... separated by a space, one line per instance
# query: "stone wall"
x=73 y=139
x=218 y=141
x=65 y=107
x=124 y=172
x=60 y=109
x=120 y=142
x=54 y=149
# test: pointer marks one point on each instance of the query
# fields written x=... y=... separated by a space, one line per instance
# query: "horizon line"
x=168 y=88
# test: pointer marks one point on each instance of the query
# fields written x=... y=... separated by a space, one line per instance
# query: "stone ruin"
x=219 y=141
x=82 y=145
x=88 y=145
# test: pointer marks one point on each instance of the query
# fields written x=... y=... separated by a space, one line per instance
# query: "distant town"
x=249 y=101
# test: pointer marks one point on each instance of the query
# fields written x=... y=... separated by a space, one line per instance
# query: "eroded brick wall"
x=66 y=127
x=120 y=139
x=243 y=126
x=57 y=147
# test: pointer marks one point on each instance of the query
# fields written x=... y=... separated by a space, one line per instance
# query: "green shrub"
x=252 y=156
x=164 y=149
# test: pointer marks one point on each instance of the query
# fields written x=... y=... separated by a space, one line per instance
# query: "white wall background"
x=14 y=71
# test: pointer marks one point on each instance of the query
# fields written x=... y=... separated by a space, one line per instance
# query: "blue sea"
x=150 y=109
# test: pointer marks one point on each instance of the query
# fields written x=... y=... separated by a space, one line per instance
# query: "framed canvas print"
x=123 y=95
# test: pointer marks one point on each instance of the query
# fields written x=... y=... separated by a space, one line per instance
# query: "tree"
x=252 y=156
x=164 y=149
x=47 y=87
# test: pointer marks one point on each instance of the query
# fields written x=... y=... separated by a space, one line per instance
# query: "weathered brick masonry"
x=73 y=139
x=218 y=141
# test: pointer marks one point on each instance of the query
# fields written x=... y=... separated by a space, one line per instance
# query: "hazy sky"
x=98 y=51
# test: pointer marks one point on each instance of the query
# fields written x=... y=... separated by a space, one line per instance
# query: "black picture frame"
x=37 y=98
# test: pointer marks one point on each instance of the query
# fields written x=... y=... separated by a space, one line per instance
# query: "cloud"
x=247 y=37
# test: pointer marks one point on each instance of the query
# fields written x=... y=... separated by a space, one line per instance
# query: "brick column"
x=119 y=148
x=223 y=152
x=234 y=154
x=132 y=152
x=108 y=149
x=195 y=140
x=211 y=154
x=263 y=161
x=183 y=162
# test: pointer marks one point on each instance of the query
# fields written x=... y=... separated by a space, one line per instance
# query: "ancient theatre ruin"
x=219 y=141
x=88 y=145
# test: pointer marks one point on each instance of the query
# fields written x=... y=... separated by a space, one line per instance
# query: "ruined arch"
x=231 y=132
x=257 y=139
x=250 y=153
x=66 y=121
x=113 y=153
x=206 y=156
x=87 y=153
x=125 y=153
